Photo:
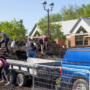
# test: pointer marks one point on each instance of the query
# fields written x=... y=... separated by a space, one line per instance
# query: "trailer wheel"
x=80 y=84
x=21 y=80
x=12 y=77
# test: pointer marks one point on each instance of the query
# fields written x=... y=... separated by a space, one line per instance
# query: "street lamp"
x=48 y=10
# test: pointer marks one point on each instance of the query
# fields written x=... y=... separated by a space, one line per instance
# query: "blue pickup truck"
x=75 y=69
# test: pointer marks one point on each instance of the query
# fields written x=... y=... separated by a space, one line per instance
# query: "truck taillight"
x=60 y=70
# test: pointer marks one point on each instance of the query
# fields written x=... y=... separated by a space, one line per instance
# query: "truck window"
x=78 y=56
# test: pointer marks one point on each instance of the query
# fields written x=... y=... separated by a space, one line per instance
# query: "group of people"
x=43 y=40
x=3 y=63
x=29 y=48
x=29 y=45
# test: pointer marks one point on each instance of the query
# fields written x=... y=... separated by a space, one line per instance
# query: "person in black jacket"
x=30 y=48
x=5 y=39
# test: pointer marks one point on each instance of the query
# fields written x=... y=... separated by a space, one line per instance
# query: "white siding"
x=83 y=24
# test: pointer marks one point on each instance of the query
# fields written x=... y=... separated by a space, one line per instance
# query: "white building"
x=74 y=30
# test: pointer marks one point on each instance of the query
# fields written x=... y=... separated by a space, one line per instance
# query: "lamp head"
x=44 y=4
x=51 y=5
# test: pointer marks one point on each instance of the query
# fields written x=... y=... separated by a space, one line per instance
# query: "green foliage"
x=54 y=29
x=80 y=11
x=74 y=12
x=87 y=11
x=69 y=13
x=13 y=29
x=55 y=17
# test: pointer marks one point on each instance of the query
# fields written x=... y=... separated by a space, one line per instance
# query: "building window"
x=36 y=34
x=81 y=30
x=79 y=40
x=69 y=43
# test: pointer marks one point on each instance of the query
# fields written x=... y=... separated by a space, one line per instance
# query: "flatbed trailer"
x=20 y=71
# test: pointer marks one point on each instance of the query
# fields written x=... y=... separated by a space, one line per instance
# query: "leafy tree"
x=54 y=29
x=69 y=13
x=75 y=12
x=13 y=29
x=87 y=11
x=80 y=11
x=55 y=17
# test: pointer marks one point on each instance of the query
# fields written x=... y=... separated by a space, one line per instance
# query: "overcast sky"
x=31 y=11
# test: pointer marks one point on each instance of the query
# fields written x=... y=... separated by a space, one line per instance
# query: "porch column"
x=89 y=41
x=72 y=41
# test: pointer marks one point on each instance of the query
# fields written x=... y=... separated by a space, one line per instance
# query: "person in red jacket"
x=5 y=66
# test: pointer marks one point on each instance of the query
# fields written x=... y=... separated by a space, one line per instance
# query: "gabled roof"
x=87 y=20
x=67 y=25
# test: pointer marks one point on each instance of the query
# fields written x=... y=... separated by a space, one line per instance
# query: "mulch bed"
x=19 y=53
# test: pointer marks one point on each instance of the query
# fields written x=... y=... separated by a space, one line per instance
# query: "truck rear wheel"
x=21 y=80
x=12 y=77
x=80 y=84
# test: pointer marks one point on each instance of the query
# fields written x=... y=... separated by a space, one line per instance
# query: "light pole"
x=48 y=10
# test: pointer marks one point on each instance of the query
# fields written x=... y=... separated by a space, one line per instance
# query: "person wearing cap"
x=43 y=40
x=30 y=48
x=13 y=43
x=5 y=39
x=4 y=72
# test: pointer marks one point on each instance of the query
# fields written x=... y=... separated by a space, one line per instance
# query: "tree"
x=54 y=29
x=55 y=17
x=80 y=11
x=69 y=13
x=75 y=12
x=13 y=29
x=87 y=11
